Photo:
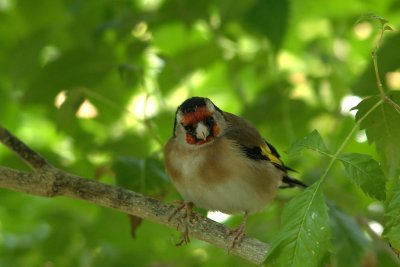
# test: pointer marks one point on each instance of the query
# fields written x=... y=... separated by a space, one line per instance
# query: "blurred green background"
x=93 y=85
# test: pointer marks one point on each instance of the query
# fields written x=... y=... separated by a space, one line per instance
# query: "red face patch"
x=200 y=115
x=193 y=141
x=190 y=139
x=194 y=117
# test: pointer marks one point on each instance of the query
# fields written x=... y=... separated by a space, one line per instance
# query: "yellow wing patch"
x=266 y=151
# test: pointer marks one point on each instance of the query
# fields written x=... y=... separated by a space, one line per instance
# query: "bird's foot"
x=184 y=220
x=238 y=233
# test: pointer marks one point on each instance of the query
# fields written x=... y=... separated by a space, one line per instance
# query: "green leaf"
x=74 y=69
x=312 y=141
x=177 y=67
x=131 y=143
x=141 y=175
x=66 y=114
x=271 y=19
x=372 y=17
x=349 y=242
x=365 y=172
x=392 y=229
x=365 y=84
x=304 y=238
x=382 y=127
x=388 y=28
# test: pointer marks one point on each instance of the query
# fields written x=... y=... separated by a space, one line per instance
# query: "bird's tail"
x=289 y=182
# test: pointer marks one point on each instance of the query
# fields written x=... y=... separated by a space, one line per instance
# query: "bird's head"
x=198 y=121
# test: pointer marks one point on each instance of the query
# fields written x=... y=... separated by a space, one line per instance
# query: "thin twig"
x=346 y=140
x=394 y=104
x=378 y=239
x=379 y=84
x=375 y=62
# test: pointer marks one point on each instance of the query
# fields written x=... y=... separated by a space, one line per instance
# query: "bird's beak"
x=202 y=131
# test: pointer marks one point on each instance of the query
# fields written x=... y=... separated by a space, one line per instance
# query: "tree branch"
x=33 y=159
x=48 y=181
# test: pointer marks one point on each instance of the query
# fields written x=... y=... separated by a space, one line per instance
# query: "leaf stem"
x=374 y=55
x=377 y=75
x=375 y=62
x=346 y=140
x=394 y=104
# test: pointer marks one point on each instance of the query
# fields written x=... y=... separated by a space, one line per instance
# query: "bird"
x=218 y=161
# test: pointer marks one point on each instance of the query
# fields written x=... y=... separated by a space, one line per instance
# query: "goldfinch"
x=219 y=162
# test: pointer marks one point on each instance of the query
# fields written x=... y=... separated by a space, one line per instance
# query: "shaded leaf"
x=270 y=18
x=81 y=67
x=312 y=141
x=189 y=11
x=66 y=114
x=141 y=175
x=387 y=28
x=130 y=143
x=165 y=123
x=392 y=229
x=349 y=242
x=365 y=84
x=382 y=127
x=286 y=121
x=304 y=238
x=365 y=172
x=177 y=67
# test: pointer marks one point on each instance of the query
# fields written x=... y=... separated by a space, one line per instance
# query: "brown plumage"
x=219 y=161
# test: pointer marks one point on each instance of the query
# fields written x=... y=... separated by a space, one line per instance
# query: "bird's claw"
x=238 y=235
x=185 y=220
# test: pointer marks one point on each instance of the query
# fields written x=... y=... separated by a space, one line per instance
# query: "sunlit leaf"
x=372 y=17
x=66 y=114
x=312 y=141
x=382 y=127
x=304 y=237
x=349 y=242
x=365 y=172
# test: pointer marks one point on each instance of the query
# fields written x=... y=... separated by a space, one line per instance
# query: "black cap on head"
x=191 y=104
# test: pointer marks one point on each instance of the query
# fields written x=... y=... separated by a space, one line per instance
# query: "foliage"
x=93 y=86
x=304 y=237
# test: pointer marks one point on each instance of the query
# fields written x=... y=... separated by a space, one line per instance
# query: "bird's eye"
x=209 y=121
x=189 y=128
